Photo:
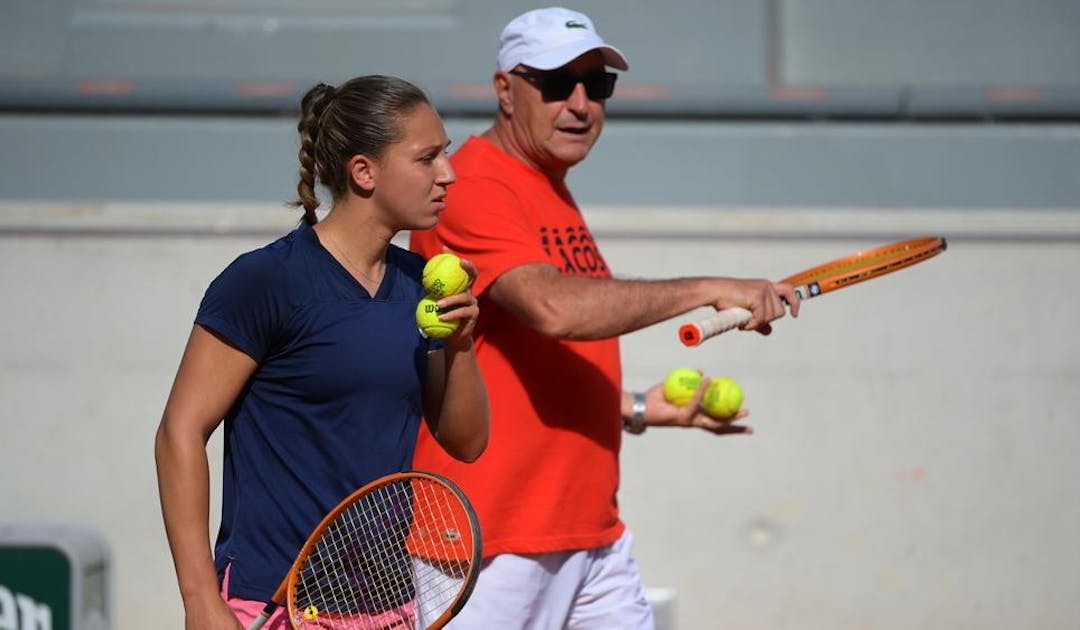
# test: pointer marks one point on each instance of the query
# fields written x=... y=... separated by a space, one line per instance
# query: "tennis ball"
x=427 y=318
x=723 y=398
x=444 y=276
x=680 y=385
x=311 y=613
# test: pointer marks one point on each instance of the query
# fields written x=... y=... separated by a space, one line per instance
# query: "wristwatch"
x=636 y=423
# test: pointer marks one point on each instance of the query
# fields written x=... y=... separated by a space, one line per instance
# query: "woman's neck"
x=358 y=245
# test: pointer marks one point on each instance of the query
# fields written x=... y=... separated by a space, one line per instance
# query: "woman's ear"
x=362 y=172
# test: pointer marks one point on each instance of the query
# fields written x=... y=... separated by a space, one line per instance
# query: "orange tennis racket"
x=402 y=552
x=837 y=274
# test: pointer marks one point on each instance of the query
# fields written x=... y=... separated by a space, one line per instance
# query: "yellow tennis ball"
x=311 y=613
x=427 y=318
x=723 y=398
x=681 y=384
x=443 y=276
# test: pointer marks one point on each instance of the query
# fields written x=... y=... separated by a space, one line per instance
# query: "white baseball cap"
x=546 y=39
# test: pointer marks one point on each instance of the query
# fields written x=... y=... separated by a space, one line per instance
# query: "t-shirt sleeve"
x=486 y=224
x=247 y=305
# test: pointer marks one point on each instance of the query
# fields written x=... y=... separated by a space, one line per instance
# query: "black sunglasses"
x=559 y=85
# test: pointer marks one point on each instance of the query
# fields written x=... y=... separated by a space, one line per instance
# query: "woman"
x=308 y=350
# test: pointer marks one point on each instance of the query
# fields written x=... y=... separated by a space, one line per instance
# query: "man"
x=557 y=553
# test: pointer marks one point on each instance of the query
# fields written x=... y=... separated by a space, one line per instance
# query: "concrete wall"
x=919 y=58
x=913 y=464
x=668 y=163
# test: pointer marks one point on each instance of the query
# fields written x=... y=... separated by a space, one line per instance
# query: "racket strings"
x=398 y=557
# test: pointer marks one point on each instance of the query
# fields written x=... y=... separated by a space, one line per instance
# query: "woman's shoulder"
x=268 y=265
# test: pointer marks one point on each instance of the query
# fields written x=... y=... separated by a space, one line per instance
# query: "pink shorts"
x=246 y=610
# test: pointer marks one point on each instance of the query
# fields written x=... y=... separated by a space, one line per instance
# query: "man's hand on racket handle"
x=766 y=300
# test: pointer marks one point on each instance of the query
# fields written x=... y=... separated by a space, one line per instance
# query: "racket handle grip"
x=261 y=619
x=695 y=333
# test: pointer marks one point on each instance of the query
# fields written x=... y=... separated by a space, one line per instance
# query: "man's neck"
x=503 y=139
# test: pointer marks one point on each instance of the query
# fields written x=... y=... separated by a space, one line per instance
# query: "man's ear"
x=501 y=83
x=362 y=172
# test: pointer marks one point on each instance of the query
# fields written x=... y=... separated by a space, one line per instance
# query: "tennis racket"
x=837 y=274
x=402 y=552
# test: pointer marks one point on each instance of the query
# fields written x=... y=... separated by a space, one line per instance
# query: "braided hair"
x=360 y=117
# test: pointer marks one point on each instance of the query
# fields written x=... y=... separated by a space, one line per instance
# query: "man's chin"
x=571 y=156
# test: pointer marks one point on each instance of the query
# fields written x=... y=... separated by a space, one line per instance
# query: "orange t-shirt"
x=548 y=479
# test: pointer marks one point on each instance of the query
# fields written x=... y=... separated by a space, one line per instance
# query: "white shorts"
x=593 y=589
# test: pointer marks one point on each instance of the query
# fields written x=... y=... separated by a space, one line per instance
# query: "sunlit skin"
x=413 y=175
x=403 y=189
x=550 y=137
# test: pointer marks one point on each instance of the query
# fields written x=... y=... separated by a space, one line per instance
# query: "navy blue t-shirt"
x=334 y=403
